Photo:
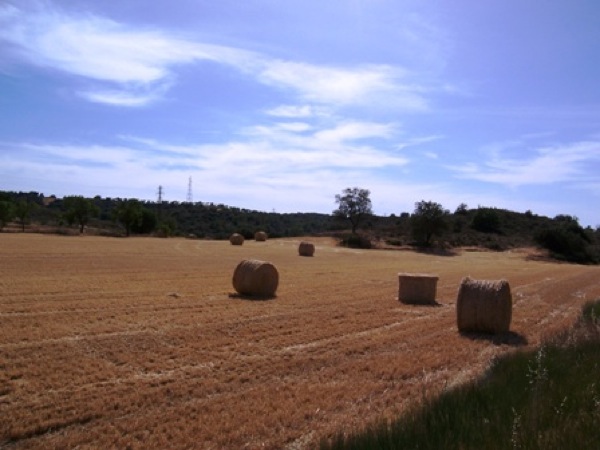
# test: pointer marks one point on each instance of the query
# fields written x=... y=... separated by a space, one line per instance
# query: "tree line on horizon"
x=430 y=225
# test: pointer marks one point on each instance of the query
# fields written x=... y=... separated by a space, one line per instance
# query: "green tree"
x=23 y=210
x=486 y=220
x=567 y=240
x=6 y=212
x=428 y=220
x=353 y=205
x=129 y=213
x=462 y=209
x=147 y=223
x=79 y=210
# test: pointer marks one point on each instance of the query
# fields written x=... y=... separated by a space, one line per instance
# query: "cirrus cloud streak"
x=120 y=60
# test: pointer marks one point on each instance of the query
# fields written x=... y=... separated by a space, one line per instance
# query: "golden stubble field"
x=138 y=343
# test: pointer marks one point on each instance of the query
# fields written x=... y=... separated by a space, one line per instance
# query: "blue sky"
x=280 y=105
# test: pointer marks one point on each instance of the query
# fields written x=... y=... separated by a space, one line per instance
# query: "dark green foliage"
x=486 y=220
x=591 y=312
x=355 y=241
x=23 y=210
x=79 y=210
x=544 y=399
x=146 y=224
x=567 y=240
x=167 y=227
x=462 y=209
x=6 y=212
x=208 y=220
x=354 y=205
x=129 y=213
x=429 y=219
x=217 y=221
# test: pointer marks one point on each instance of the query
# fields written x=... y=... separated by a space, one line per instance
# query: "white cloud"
x=355 y=130
x=128 y=57
x=297 y=127
x=420 y=140
x=279 y=159
x=103 y=50
x=119 y=98
x=336 y=85
x=281 y=168
x=550 y=165
x=291 y=111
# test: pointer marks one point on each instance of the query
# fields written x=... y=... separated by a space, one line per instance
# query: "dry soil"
x=141 y=342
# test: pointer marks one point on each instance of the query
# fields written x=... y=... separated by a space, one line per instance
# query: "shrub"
x=486 y=220
x=355 y=241
x=565 y=243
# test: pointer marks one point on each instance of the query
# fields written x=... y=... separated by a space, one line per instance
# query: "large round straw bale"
x=255 y=278
x=236 y=239
x=306 y=248
x=417 y=288
x=484 y=306
x=260 y=236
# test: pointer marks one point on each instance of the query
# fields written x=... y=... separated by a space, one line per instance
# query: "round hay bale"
x=417 y=288
x=306 y=248
x=236 y=239
x=255 y=278
x=484 y=306
x=260 y=236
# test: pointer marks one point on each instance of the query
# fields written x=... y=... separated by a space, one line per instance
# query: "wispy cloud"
x=356 y=130
x=548 y=165
x=352 y=85
x=100 y=49
x=141 y=63
x=122 y=98
x=295 y=111
x=282 y=157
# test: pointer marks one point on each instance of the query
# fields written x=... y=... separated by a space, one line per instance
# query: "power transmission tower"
x=160 y=200
x=189 y=197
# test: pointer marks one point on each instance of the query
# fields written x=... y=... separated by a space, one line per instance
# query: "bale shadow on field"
x=509 y=338
x=435 y=304
x=257 y=298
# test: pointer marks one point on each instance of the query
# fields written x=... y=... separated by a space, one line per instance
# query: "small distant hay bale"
x=260 y=236
x=417 y=288
x=236 y=239
x=255 y=278
x=306 y=248
x=484 y=306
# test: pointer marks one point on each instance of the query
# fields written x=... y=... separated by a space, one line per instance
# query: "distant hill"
x=489 y=228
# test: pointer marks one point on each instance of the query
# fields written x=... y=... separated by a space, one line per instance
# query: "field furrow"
x=141 y=343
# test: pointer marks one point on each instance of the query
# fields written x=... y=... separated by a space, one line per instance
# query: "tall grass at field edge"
x=543 y=399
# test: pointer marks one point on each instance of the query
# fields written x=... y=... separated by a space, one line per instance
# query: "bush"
x=566 y=243
x=355 y=241
x=486 y=220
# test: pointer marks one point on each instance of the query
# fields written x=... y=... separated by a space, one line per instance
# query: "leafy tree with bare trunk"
x=429 y=219
x=354 y=205
x=129 y=213
x=6 y=212
x=79 y=210
x=23 y=210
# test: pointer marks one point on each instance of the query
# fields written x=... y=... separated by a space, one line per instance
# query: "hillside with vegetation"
x=484 y=227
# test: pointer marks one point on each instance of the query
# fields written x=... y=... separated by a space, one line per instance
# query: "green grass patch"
x=544 y=399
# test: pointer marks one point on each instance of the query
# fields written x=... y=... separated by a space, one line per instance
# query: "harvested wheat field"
x=141 y=342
